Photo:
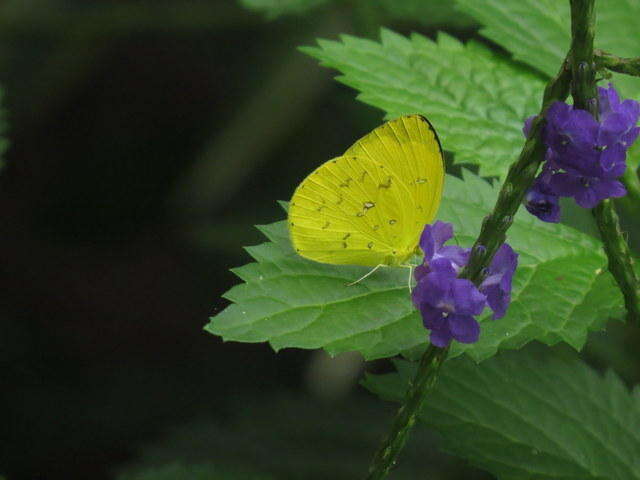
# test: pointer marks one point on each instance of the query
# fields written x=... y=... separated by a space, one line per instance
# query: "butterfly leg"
x=366 y=274
x=410 y=277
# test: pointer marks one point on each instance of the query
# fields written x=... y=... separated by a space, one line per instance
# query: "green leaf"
x=538 y=32
x=292 y=302
x=525 y=415
x=275 y=8
x=475 y=98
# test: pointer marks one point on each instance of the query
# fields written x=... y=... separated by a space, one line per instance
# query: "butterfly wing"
x=369 y=206
x=351 y=211
x=409 y=148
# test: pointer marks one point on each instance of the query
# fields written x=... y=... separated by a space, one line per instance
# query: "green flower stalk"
x=492 y=236
x=424 y=381
x=584 y=94
x=627 y=66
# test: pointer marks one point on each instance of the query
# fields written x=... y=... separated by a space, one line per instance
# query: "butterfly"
x=369 y=206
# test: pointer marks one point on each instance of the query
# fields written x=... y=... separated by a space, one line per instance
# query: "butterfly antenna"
x=366 y=275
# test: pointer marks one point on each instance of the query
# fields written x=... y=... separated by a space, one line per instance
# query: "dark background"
x=146 y=138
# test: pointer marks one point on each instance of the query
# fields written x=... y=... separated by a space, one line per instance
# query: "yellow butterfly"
x=369 y=206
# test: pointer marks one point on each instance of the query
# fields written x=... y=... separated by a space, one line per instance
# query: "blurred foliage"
x=430 y=13
x=274 y=8
x=192 y=472
x=295 y=436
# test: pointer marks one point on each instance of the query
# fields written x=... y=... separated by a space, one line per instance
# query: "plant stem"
x=620 y=259
x=583 y=81
x=492 y=235
x=628 y=66
x=425 y=379
x=519 y=179
x=583 y=90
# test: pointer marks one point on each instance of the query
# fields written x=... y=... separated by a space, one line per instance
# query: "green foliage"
x=525 y=415
x=276 y=8
x=178 y=471
x=292 y=302
x=538 y=32
x=427 y=12
x=475 y=98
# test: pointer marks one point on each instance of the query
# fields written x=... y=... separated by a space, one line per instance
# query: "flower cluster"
x=584 y=157
x=447 y=303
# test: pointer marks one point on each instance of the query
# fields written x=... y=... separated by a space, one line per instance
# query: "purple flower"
x=542 y=202
x=626 y=114
x=448 y=304
x=432 y=244
x=497 y=285
x=587 y=191
x=584 y=156
x=571 y=134
x=584 y=146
